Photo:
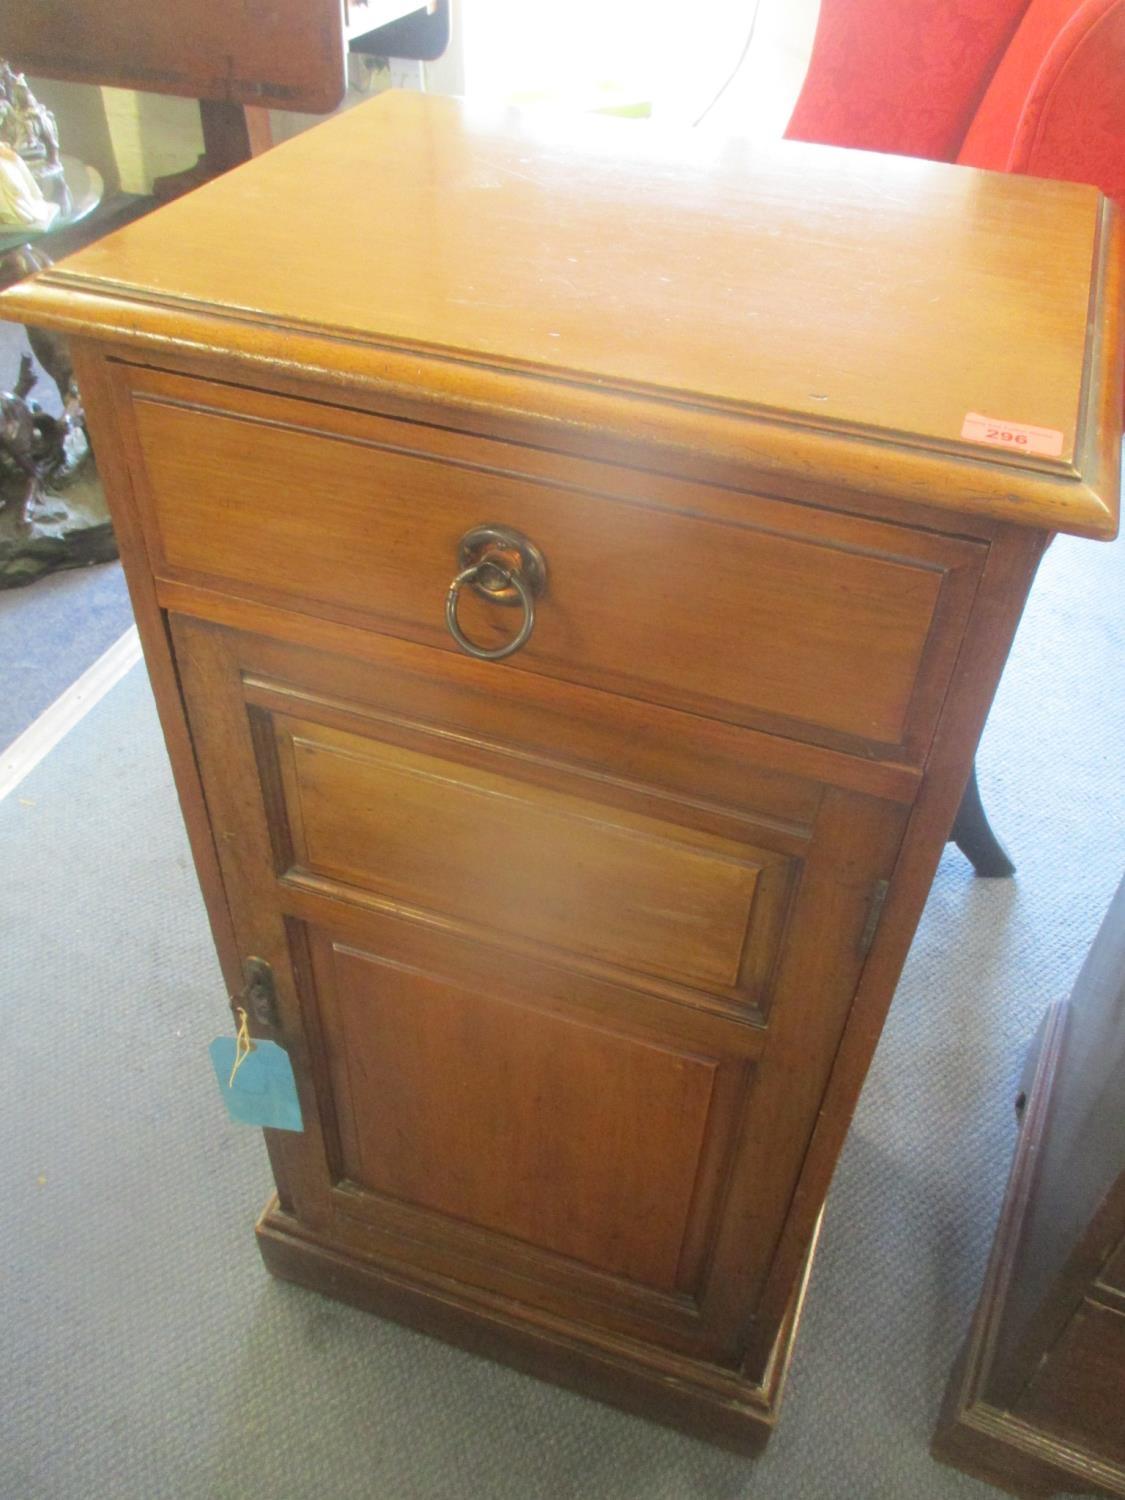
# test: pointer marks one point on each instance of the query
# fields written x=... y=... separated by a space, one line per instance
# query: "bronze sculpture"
x=52 y=510
x=39 y=452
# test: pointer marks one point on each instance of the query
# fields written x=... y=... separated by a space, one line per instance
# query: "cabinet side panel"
x=999 y=602
x=105 y=419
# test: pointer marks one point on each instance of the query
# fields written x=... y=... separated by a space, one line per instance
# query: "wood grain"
x=1075 y=1395
x=613 y=279
x=509 y=234
x=550 y=999
x=153 y=630
x=289 y=57
x=773 y=621
x=639 y=742
x=601 y=1134
x=512 y=857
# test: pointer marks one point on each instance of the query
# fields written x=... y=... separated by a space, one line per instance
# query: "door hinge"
x=259 y=994
x=874 y=912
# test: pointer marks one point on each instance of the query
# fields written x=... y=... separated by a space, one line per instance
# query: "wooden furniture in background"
x=581 y=954
x=291 y=57
x=239 y=61
x=1037 y=1402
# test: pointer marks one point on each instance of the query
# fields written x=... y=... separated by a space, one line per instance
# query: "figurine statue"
x=34 y=127
x=53 y=512
x=18 y=439
x=29 y=129
x=22 y=202
x=39 y=453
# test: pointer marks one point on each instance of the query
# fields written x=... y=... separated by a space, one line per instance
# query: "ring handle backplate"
x=503 y=566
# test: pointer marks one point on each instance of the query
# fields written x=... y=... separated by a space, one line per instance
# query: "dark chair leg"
x=973 y=835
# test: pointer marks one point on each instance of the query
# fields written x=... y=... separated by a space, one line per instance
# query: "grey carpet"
x=50 y=632
x=145 y=1353
x=53 y=629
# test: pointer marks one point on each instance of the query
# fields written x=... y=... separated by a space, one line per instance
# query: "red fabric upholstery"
x=903 y=76
x=1033 y=87
x=1056 y=104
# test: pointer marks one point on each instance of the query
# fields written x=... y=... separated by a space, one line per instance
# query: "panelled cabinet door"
x=560 y=1029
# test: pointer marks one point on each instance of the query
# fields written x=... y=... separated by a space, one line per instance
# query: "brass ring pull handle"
x=504 y=567
x=509 y=579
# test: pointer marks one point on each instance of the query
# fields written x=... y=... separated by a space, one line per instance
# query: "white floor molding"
x=25 y=753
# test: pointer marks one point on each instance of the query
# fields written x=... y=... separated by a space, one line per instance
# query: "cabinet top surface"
x=866 y=297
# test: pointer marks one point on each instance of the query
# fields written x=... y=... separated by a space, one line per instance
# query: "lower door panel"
x=558 y=1036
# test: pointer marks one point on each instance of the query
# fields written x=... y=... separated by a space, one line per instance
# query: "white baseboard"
x=25 y=753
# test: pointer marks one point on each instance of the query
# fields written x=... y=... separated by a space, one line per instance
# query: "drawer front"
x=511 y=859
x=560 y=1034
x=811 y=624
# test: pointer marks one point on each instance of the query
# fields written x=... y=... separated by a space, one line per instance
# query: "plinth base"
x=705 y=1400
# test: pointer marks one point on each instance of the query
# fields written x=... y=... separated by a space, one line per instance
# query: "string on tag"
x=243 y=1046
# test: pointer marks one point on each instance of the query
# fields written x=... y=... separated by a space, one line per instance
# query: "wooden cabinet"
x=1036 y=1402
x=581 y=949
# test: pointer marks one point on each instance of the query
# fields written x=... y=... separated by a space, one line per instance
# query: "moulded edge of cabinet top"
x=907 y=328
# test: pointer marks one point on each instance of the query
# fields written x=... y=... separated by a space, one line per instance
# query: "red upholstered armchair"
x=1034 y=86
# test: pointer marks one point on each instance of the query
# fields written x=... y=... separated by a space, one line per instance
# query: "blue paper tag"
x=264 y=1091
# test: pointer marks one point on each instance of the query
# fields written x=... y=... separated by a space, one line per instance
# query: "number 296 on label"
x=1019 y=437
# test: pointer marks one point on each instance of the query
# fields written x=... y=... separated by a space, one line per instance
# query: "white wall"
x=581 y=53
x=83 y=126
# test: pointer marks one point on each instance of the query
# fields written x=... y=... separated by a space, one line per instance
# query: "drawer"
x=763 y=613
